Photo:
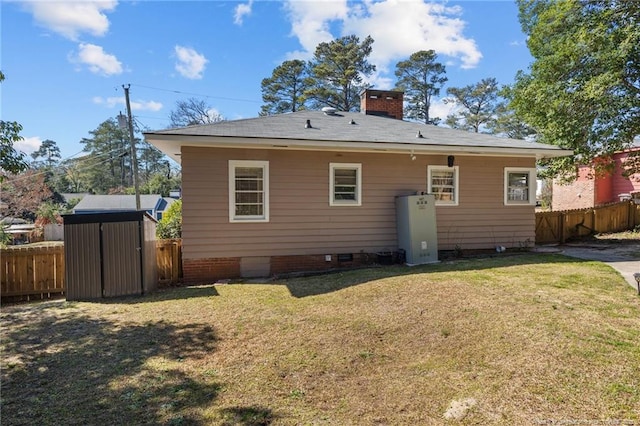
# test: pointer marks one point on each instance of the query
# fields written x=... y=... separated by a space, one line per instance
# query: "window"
x=248 y=191
x=519 y=186
x=345 y=188
x=442 y=182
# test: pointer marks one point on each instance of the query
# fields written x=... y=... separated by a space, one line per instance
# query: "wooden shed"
x=109 y=255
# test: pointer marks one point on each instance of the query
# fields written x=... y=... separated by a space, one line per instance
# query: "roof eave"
x=172 y=146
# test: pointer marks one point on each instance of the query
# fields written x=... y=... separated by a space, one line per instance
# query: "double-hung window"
x=248 y=191
x=442 y=182
x=519 y=186
x=345 y=186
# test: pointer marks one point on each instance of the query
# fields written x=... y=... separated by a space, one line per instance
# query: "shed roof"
x=124 y=216
x=117 y=202
x=343 y=131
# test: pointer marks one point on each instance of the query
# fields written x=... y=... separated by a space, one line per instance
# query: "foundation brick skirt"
x=206 y=270
x=213 y=269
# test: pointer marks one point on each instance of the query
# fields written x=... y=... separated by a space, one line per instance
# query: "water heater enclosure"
x=417 y=230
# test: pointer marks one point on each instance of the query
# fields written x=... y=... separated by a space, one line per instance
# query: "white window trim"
x=456 y=186
x=233 y=164
x=532 y=186
x=353 y=166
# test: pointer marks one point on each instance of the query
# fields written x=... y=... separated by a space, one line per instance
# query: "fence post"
x=561 y=227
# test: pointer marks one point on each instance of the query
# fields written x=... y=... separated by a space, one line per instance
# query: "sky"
x=66 y=63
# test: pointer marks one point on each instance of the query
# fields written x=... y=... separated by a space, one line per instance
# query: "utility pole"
x=134 y=157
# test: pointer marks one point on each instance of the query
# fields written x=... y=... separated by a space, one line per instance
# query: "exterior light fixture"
x=450 y=160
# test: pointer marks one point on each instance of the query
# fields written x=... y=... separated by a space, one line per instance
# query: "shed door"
x=82 y=261
x=121 y=251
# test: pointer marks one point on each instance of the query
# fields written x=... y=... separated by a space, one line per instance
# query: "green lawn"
x=532 y=339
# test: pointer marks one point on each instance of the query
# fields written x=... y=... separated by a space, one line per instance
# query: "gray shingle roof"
x=347 y=127
x=116 y=202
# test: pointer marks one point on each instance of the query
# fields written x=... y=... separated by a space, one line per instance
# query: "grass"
x=33 y=245
x=629 y=236
x=530 y=338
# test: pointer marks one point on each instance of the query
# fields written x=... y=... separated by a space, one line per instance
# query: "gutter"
x=170 y=144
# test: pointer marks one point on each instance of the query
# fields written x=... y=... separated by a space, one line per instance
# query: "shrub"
x=170 y=226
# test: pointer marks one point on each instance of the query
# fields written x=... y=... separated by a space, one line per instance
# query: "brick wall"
x=589 y=191
x=287 y=264
x=579 y=194
x=621 y=184
x=604 y=190
x=382 y=102
x=207 y=270
x=210 y=270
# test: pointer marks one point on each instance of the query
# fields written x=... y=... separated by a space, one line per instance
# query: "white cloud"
x=310 y=23
x=399 y=28
x=191 y=64
x=97 y=60
x=28 y=145
x=380 y=81
x=72 y=18
x=214 y=114
x=242 y=10
x=146 y=106
x=114 y=101
x=441 y=109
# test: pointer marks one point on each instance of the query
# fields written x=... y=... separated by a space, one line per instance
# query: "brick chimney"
x=385 y=103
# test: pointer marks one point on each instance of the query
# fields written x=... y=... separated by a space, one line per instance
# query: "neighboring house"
x=18 y=229
x=69 y=197
x=313 y=190
x=591 y=190
x=154 y=204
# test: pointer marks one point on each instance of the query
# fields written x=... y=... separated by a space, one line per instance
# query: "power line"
x=135 y=117
x=140 y=124
x=197 y=94
x=85 y=159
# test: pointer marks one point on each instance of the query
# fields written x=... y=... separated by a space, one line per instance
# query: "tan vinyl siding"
x=302 y=222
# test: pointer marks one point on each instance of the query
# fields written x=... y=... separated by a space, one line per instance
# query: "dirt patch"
x=458 y=409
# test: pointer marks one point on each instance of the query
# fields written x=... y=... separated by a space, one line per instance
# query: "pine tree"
x=337 y=73
x=284 y=90
x=421 y=78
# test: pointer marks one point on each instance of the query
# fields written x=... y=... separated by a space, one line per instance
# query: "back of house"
x=315 y=190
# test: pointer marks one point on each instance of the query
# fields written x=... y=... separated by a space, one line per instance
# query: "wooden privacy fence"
x=169 y=259
x=32 y=271
x=558 y=227
x=39 y=271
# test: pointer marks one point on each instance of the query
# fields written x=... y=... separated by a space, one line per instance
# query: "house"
x=314 y=190
x=153 y=204
x=18 y=229
x=591 y=189
x=71 y=197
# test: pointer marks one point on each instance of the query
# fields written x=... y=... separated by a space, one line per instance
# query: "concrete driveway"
x=624 y=257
